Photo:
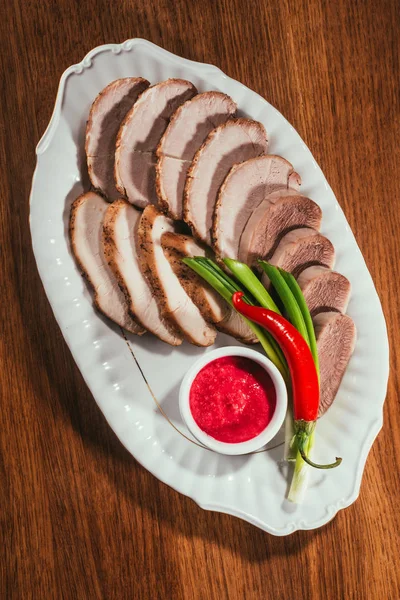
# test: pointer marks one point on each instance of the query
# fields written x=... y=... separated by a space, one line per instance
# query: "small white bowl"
x=262 y=438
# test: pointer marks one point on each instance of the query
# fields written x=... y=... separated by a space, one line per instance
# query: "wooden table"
x=79 y=517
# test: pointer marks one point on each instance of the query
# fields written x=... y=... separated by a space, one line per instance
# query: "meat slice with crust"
x=139 y=136
x=212 y=307
x=86 y=228
x=232 y=142
x=121 y=249
x=188 y=128
x=174 y=303
x=177 y=246
x=105 y=117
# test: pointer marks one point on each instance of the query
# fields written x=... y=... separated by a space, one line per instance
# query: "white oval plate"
x=251 y=487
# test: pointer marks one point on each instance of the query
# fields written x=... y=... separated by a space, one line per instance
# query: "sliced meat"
x=170 y=177
x=192 y=122
x=105 y=117
x=173 y=301
x=246 y=187
x=189 y=126
x=300 y=249
x=303 y=248
x=139 y=136
x=234 y=325
x=121 y=250
x=86 y=228
x=177 y=246
x=213 y=308
x=324 y=290
x=277 y=215
x=336 y=339
x=232 y=142
x=142 y=170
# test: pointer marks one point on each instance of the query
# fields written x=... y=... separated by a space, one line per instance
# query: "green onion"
x=216 y=277
x=289 y=301
x=253 y=285
x=290 y=451
x=301 y=472
x=298 y=294
x=296 y=307
x=226 y=287
x=251 y=282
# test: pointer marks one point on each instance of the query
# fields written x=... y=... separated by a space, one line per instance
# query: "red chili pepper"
x=305 y=384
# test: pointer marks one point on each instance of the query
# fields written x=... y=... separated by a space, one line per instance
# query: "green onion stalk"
x=301 y=469
x=297 y=311
x=226 y=287
x=298 y=295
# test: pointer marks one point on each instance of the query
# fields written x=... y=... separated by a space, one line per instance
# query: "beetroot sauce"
x=232 y=399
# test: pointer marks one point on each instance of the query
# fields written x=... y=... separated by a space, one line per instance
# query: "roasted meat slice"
x=177 y=246
x=234 y=325
x=213 y=308
x=139 y=136
x=232 y=142
x=174 y=303
x=105 y=117
x=121 y=249
x=86 y=227
x=188 y=128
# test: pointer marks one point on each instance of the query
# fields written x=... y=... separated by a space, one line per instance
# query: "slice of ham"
x=233 y=142
x=212 y=307
x=105 y=117
x=300 y=249
x=188 y=128
x=324 y=290
x=336 y=339
x=86 y=228
x=246 y=186
x=277 y=215
x=121 y=250
x=139 y=136
x=174 y=303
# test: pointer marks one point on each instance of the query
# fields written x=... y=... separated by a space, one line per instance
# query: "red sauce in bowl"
x=232 y=399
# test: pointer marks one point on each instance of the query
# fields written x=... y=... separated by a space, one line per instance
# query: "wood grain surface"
x=79 y=517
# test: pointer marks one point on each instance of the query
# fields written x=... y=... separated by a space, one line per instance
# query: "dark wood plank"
x=79 y=517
